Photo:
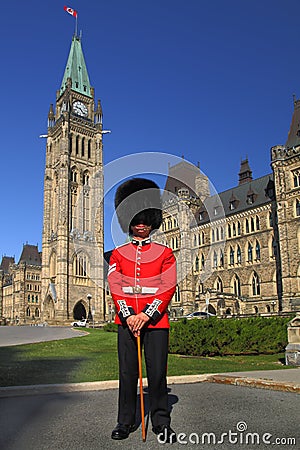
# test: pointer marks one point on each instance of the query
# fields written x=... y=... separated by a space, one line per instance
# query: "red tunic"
x=142 y=277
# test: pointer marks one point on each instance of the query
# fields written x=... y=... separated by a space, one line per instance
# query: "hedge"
x=213 y=336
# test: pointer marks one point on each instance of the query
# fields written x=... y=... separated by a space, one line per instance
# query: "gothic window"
x=221 y=258
x=28 y=298
x=257 y=223
x=219 y=285
x=233 y=229
x=215 y=260
x=239 y=255
x=229 y=230
x=86 y=179
x=196 y=264
x=37 y=312
x=169 y=224
x=82 y=147
x=236 y=286
x=70 y=144
x=74 y=175
x=255 y=284
x=297 y=207
x=250 y=253
x=252 y=224
x=80 y=268
x=257 y=250
x=232 y=205
x=201 y=216
x=239 y=228
x=231 y=256
x=217 y=234
x=213 y=235
x=203 y=237
x=28 y=312
x=222 y=233
x=77 y=145
x=247 y=226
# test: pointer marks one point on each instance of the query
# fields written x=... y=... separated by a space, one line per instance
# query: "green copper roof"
x=76 y=70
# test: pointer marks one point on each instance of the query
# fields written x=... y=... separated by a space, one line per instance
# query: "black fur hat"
x=138 y=201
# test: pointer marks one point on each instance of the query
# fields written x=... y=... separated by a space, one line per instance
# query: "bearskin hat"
x=138 y=201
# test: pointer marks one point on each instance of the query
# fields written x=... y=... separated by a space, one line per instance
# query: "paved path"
x=26 y=334
x=84 y=420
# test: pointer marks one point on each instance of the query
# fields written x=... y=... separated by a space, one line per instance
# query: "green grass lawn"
x=94 y=358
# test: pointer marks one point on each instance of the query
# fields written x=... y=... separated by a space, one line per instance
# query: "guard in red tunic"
x=142 y=280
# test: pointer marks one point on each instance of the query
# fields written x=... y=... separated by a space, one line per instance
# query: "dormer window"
x=201 y=215
x=232 y=205
x=250 y=199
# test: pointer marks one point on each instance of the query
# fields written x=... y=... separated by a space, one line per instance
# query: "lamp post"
x=89 y=297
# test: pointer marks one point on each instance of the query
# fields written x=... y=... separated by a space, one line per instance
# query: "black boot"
x=122 y=431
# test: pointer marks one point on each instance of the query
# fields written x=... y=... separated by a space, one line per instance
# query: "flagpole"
x=76 y=24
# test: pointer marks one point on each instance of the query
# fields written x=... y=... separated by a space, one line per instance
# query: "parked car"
x=79 y=323
x=199 y=315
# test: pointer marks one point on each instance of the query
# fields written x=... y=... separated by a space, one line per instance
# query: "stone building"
x=72 y=241
x=238 y=252
x=20 y=287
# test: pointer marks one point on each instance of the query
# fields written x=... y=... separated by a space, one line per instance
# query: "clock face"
x=80 y=109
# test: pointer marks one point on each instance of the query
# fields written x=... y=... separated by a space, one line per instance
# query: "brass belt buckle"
x=137 y=289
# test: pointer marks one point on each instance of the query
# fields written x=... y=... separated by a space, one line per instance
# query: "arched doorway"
x=79 y=311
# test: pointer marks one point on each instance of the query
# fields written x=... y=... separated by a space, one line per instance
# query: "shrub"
x=213 y=336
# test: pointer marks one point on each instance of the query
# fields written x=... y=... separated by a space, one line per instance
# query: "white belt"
x=139 y=290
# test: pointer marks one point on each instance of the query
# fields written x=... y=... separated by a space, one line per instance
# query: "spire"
x=245 y=173
x=293 y=139
x=76 y=70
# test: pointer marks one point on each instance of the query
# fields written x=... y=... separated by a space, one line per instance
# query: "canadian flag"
x=70 y=11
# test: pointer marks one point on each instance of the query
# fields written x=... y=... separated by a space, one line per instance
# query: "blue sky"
x=212 y=80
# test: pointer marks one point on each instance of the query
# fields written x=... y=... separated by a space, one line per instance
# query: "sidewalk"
x=287 y=380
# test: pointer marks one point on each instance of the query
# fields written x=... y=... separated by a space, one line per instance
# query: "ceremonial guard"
x=142 y=280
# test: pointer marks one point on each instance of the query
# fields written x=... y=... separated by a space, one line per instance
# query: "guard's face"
x=141 y=230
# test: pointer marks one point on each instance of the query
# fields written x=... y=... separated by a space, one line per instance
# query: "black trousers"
x=155 y=342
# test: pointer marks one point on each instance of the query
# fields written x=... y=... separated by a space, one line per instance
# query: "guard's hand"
x=130 y=322
x=139 y=320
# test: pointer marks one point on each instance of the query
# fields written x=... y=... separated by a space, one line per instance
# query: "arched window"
x=257 y=250
x=74 y=175
x=70 y=143
x=86 y=179
x=231 y=256
x=233 y=229
x=221 y=258
x=197 y=264
x=213 y=235
x=219 y=285
x=236 y=286
x=77 y=145
x=239 y=228
x=217 y=234
x=255 y=284
x=28 y=312
x=247 y=226
x=202 y=261
x=82 y=147
x=203 y=238
x=215 y=260
x=239 y=254
x=252 y=224
x=250 y=253
x=229 y=230
x=37 y=312
x=81 y=268
x=222 y=233
x=89 y=149
x=257 y=223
